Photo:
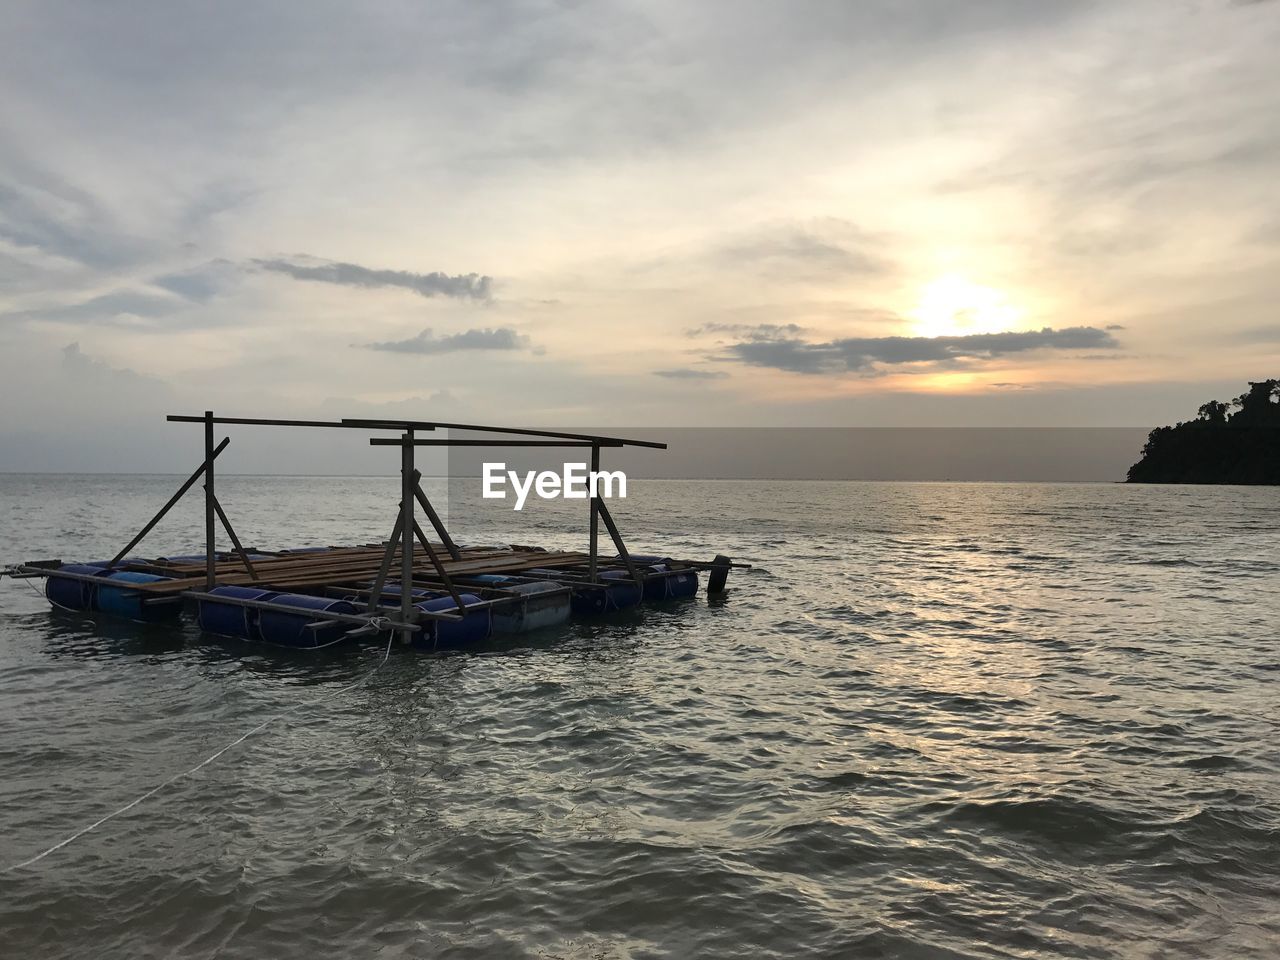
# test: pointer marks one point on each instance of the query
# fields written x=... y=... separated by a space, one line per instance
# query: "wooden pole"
x=407 y=523
x=324 y=615
x=595 y=516
x=210 y=577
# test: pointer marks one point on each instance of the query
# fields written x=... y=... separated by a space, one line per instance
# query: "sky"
x=882 y=213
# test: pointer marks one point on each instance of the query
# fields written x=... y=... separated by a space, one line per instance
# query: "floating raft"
x=433 y=593
x=316 y=597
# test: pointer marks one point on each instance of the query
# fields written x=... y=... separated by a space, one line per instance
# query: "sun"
x=953 y=305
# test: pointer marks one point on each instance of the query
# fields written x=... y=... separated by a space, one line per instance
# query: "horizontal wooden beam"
x=328 y=615
x=485 y=428
x=396 y=441
x=352 y=423
x=272 y=422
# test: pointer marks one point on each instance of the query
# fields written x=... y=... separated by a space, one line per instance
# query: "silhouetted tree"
x=1215 y=412
x=1259 y=405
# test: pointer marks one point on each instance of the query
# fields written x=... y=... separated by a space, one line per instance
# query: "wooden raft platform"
x=306 y=570
x=431 y=591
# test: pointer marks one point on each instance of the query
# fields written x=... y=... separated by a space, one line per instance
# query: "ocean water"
x=934 y=720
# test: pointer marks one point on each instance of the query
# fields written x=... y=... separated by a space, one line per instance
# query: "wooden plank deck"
x=347 y=565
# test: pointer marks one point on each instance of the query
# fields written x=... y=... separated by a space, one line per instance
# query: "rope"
x=38 y=592
x=186 y=773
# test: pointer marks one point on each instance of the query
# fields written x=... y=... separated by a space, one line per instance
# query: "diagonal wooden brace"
x=440 y=570
x=617 y=542
x=235 y=541
x=172 y=500
x=375 y=595
x=434 y=517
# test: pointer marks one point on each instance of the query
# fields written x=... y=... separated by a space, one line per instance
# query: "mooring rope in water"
x=203 y=763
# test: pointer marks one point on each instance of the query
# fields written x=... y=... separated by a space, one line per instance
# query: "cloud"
x=750 y=331
x=64 y=222
x=687 y=373
x=155 y=302
x=470 y=286
x=118 y=308
x=248 y=133
x=489 y=338
x=862 y=353
x=805 y=250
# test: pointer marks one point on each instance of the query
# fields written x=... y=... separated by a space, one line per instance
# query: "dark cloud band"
x=470 y=286
x=862 y=353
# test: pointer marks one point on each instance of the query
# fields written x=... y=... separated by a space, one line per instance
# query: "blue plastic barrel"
x=671 y=585
x=123 y=602
x=232 y=620
x=290 y=629
x=542 y=604
x=474 y=627
x=618 y=592
x=682 y=584
x=73 y=594
x=655 y=587
x=663 y=583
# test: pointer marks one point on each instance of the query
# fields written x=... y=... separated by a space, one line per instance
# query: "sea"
x=935 y=720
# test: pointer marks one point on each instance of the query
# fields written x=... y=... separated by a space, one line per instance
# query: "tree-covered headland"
x=1236 y=442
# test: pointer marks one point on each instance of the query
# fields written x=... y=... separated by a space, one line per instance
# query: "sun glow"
x=953 y=305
